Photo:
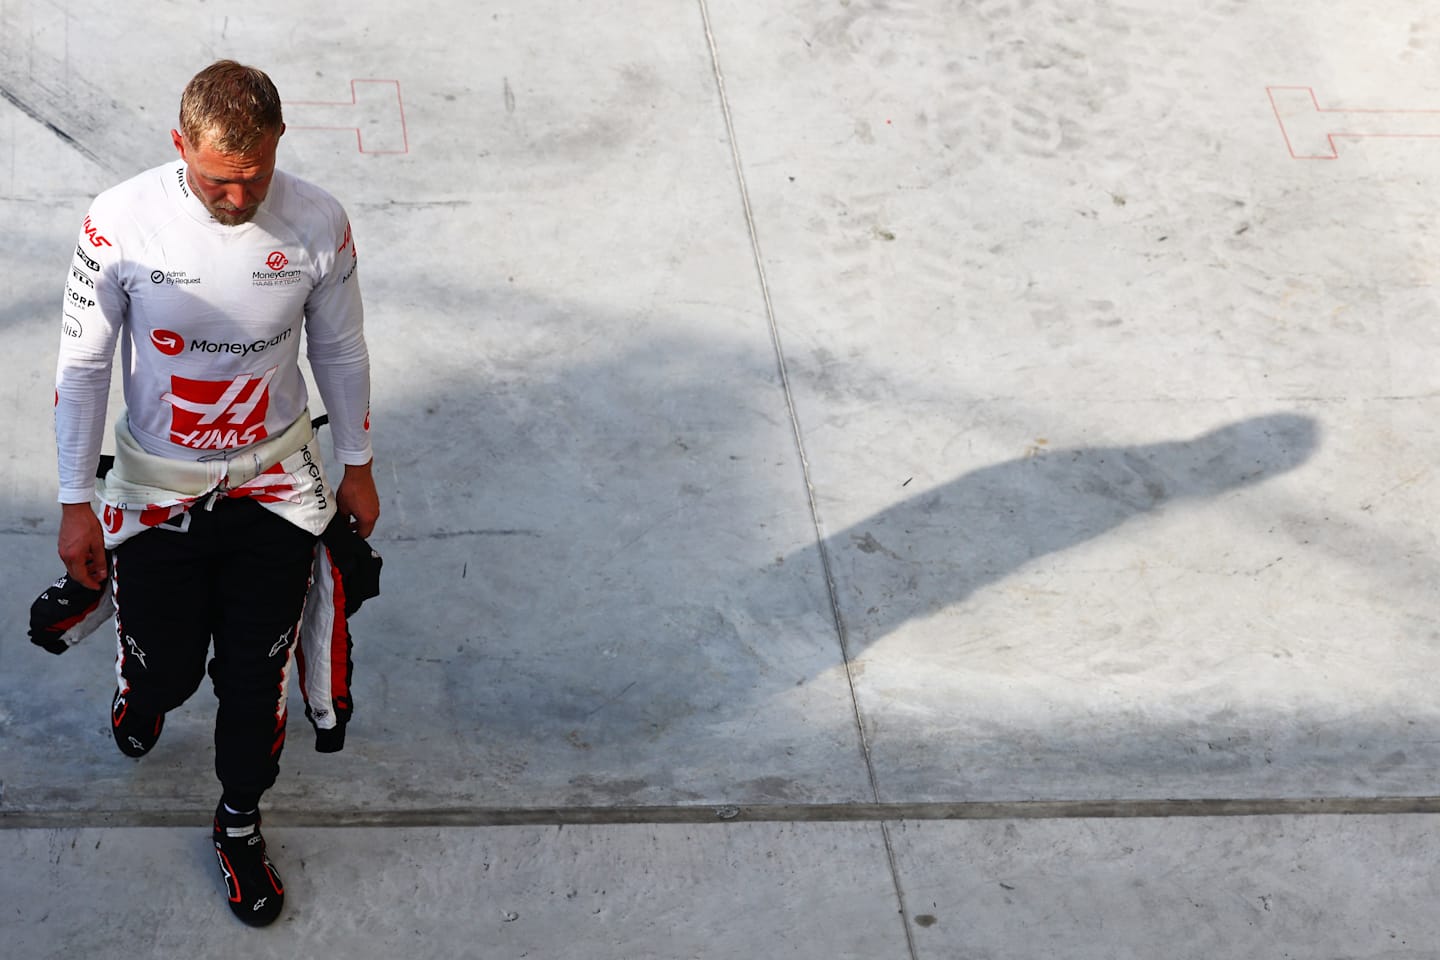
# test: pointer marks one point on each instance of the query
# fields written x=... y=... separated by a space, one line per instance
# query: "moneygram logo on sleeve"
x=219 y=414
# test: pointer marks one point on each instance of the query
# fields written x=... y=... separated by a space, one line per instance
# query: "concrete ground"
x=861 y=479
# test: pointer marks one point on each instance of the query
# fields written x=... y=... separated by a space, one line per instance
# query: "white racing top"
x=209 y=320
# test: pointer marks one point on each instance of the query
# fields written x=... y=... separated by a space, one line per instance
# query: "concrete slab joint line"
x=725 y=814
x=825 y=562
x=796 y=432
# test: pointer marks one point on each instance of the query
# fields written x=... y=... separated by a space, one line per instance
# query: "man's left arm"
x=340 y=362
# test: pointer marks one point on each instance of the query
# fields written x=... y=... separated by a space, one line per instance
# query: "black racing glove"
x=67 y=612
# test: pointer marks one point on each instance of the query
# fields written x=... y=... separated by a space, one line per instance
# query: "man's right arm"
x=92 y=315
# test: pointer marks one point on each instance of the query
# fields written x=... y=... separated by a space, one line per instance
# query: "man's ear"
x=179 y=142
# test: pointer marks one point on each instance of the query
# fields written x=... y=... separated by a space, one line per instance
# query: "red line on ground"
x=354 y=101
x=1332 y=135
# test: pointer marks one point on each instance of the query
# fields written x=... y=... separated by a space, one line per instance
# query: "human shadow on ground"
x=603 y=585
x=938 y=547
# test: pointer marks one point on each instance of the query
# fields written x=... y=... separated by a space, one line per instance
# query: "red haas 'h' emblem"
x=276 y=261
x=218 y=414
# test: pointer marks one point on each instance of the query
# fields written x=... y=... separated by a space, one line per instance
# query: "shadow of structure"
x=938 y=547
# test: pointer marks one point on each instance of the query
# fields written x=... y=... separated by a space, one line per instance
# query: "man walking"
x=206 y=271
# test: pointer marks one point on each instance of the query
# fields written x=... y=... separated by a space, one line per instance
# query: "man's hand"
x=357 y=499
x=82 y=544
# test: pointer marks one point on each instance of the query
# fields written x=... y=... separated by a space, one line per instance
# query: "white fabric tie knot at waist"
x=141 y=486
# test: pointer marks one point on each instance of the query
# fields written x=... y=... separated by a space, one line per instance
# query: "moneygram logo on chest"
x=172 y=344
x=219 y=414
x=275 y=273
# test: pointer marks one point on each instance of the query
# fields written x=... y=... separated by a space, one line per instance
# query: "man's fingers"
x=89 y=571
x=85 y=577
x=86 y=566
x=364 y=526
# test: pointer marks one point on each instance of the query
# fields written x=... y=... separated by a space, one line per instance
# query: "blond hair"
x=230 y=107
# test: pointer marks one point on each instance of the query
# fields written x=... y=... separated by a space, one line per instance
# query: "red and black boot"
x=254 y=887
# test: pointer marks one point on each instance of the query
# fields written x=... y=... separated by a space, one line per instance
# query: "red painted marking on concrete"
x=1310 y=130
x=374 y=111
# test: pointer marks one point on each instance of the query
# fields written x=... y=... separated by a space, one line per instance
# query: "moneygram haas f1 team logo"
x=219 y=414
x=275 y=273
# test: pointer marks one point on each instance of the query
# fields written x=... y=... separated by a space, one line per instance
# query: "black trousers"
x=235 y=574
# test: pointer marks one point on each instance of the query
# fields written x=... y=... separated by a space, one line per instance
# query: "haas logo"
x=167 y=342
x=97 y=239
x=276 y=261
x=219 y=414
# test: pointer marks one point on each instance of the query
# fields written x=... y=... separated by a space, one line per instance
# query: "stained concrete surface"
x=1286 y=886
x=636 y=891
x=802 y=404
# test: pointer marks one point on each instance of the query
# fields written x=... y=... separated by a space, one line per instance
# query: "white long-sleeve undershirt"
x=209 y=320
